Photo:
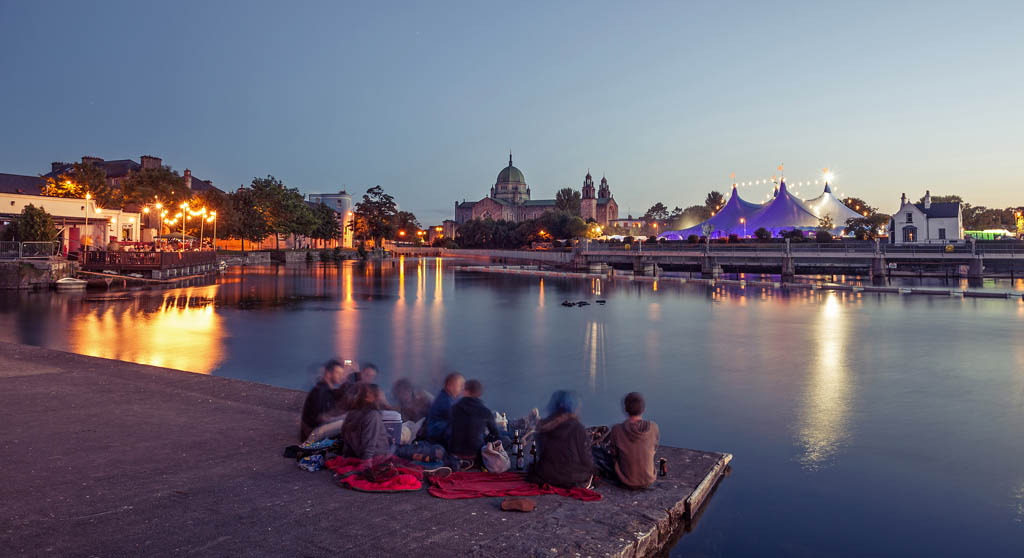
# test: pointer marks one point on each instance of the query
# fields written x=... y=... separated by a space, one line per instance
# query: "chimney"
x=150 y=162
x=927 y=199
x=57 y=165
x=188 y=179
x=903 y=199
x=86 y=160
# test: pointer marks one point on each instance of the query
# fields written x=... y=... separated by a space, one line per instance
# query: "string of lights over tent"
x=826 y=178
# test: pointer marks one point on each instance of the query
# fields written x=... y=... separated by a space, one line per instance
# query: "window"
x=910 y=234
x=910 y=217
x=942 y=234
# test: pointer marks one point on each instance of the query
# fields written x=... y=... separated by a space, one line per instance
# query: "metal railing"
x=14 y=250
x=147 y=260
x=844 y=247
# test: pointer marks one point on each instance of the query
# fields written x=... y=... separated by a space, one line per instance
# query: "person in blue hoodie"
x=439 y=417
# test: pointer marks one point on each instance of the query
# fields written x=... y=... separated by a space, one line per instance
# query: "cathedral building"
x=509 y=200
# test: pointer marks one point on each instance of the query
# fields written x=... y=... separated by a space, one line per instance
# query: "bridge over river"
x=972 y=259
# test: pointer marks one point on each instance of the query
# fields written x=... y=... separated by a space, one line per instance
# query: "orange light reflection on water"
x=185 y=333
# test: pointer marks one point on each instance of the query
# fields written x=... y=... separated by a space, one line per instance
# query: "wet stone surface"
x=106 y=458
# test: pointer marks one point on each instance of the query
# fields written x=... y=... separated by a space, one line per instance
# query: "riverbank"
x=110 y=458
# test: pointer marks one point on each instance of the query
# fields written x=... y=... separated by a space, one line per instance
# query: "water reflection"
x=184 y=332
x=822 y=426
x=594 y=356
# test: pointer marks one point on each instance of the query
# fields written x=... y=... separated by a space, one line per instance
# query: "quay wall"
x=33 y=274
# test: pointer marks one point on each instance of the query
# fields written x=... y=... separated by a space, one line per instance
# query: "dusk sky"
x=427 y=98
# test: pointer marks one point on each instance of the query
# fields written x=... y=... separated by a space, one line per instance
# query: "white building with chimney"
x=927 y=222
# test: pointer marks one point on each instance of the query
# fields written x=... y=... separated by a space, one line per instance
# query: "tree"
x=762 y=234
x=948 y=198
x=657 y=212
x=859 y=205
x=406 y=221
x=249 y=221
x=377 y=210
x=325 y=223
x=82 y=179
x=866 y=228
x=34 y=224
x=152 y=185
x=283 y=208
x=823 y=236
x=714 y=201
x=568 y=200
x=825 y=224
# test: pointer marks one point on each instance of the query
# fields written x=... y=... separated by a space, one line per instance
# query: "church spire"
x=510 y=157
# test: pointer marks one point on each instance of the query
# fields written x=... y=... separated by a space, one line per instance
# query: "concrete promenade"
x=107 y=458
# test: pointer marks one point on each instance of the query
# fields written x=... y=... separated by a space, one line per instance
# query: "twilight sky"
x=426 y=98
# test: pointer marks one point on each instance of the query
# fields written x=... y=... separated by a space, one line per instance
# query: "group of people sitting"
x=346 y=403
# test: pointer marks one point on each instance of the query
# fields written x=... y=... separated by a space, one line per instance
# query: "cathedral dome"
x=510 y=173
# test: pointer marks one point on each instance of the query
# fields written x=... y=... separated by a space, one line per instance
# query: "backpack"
x=495 y=458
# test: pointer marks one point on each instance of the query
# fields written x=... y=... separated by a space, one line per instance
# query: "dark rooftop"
x=21 y=184
x=940 y=210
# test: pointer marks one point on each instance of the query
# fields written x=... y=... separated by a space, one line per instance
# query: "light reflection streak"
x=540 y=295
x=594 y=356
x=185 y=333
x=823 y=420
x=347 y=340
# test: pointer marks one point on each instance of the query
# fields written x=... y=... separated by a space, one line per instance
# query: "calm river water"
x=860 y=424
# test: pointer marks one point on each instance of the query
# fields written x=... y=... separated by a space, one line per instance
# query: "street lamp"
x=744 y=221
x=88 y=197
x=213 y=216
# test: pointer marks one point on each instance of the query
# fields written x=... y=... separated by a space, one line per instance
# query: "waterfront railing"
x=15 y=250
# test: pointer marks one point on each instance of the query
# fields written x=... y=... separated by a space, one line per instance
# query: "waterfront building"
x=927 y=222
x=78 y=220
x=510 y=200
x=342 y=204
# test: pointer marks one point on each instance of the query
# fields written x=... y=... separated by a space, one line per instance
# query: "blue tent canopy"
x=723 y=222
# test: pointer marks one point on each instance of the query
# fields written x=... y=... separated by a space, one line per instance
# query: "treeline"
x=251 y=213
x=551 y=226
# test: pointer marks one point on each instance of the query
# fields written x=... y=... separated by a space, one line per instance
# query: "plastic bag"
x=495 y=457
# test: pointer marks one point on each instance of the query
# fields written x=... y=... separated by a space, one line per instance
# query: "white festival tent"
x=827 y=205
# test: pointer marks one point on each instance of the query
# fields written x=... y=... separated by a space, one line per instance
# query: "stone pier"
x=108 y=458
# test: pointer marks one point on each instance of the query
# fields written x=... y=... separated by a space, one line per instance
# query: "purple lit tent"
x=827 y=205
x=783 y=213
x=725 y=221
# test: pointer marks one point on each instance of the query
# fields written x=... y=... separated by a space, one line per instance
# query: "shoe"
x=518 y=504
x=438 y=473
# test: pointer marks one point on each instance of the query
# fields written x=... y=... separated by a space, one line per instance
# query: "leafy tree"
x=151 y=185
x=568 y=200
x=823 y=236
x=377 y=211
x=763 y=234
x=657 y=211
x=825 y=224
x=34 y=224
x=283 y=208
x=866 y=228
x=80 y=179
x=325 y=223
x=714 y=201
x=249 y=220
x=406 y=221
x=859 y=205
x=949 y=198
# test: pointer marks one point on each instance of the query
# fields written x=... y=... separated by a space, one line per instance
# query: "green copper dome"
x=510 y=173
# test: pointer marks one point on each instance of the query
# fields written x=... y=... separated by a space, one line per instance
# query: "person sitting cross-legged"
x=363 y=432
x=472 y=425
x=564 y=457
x=629 y=459
x=438 y=427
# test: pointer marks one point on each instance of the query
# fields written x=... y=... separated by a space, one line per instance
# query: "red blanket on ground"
x=408 y=478
x=471 y=484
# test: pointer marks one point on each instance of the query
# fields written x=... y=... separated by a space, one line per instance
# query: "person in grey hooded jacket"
x=363 y=433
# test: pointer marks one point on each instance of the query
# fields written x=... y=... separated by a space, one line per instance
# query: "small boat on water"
x=71 y=284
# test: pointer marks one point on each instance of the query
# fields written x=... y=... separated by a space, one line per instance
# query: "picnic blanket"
x=472 y=484
x=353 y=473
